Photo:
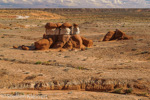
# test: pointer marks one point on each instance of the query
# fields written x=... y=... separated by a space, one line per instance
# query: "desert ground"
x=112 y=70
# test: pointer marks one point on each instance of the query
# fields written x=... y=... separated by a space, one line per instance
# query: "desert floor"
x=115 y=70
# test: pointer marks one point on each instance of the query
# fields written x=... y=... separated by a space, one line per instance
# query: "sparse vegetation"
x=81 y=68
x=46 y=63
x=148 y=58
x=130 y=90
x=116 y=60
x=38 y=63
x=118 y=91
x=17 y=93
x=30 y=77
x=40 y=74
x=145 y=52
x=143 y=94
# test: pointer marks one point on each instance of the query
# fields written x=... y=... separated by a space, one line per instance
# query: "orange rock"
x=69 y=45
x=59 y=25
x=109 y=36
x=78 y=42
x=119 y=35
x=24 y=47
x=66 y=25
x=52 y=39
x=43 y=44
x=86 y=42
x=62 y=40
x=75 y=42
x=15 y=47
x=75 y=25
x=50 y=25
x=116 y=35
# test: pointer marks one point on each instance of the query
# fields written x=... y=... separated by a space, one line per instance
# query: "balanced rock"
x=68 y=25
x=50 y=25
x=59 y=25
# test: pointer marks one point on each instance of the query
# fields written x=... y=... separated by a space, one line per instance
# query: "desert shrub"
x=38 y=62
x=148 y=58
x=143 y=94
x=17 y=93
x=30 y=77
x=118 y=91
x=145 y=52
x=130 y=90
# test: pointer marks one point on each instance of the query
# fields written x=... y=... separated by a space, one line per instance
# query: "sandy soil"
x=117 y=62
x=64 y=95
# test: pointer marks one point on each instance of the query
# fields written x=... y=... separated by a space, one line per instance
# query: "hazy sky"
x=75 y=3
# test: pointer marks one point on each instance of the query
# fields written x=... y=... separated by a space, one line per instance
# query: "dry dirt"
x=120 y=67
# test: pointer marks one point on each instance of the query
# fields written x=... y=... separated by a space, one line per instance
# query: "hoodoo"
x=60 y=36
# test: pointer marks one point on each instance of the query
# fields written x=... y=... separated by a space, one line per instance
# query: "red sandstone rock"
x=50 y=25
x=15 y=47
x=116 y=35
x=119 y=35
x=66 y=25
x=109 y=36
x=87 y=42
x=43 y=44
x=59 y=25
x=24 y=47
x=62 y=40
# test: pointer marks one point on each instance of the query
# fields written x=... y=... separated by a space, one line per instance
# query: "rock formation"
x=116 y=35
x=43 y=44
x=60 y=40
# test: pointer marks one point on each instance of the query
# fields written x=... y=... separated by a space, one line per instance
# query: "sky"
x=74 y=3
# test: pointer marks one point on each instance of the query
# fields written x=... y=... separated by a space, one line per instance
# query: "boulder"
x=62 y=40
x=116 y=35
x=119 y=35
x=43 y=44
x=109 y=36
x=87 y=42
x=24 y=47
x=68 y=25
x=75 y=25
x=59 y=25
x=50 y=25
x=69 y=45
x=15 y=47
x=52 y=39
x=77 y=41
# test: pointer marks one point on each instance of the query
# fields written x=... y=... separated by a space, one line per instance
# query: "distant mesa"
x=28 y=14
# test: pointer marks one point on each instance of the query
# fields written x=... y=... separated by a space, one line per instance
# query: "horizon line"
x=74 y=8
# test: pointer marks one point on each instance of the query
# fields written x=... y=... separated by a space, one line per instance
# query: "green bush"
x=38 y=62
x=118 y=91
